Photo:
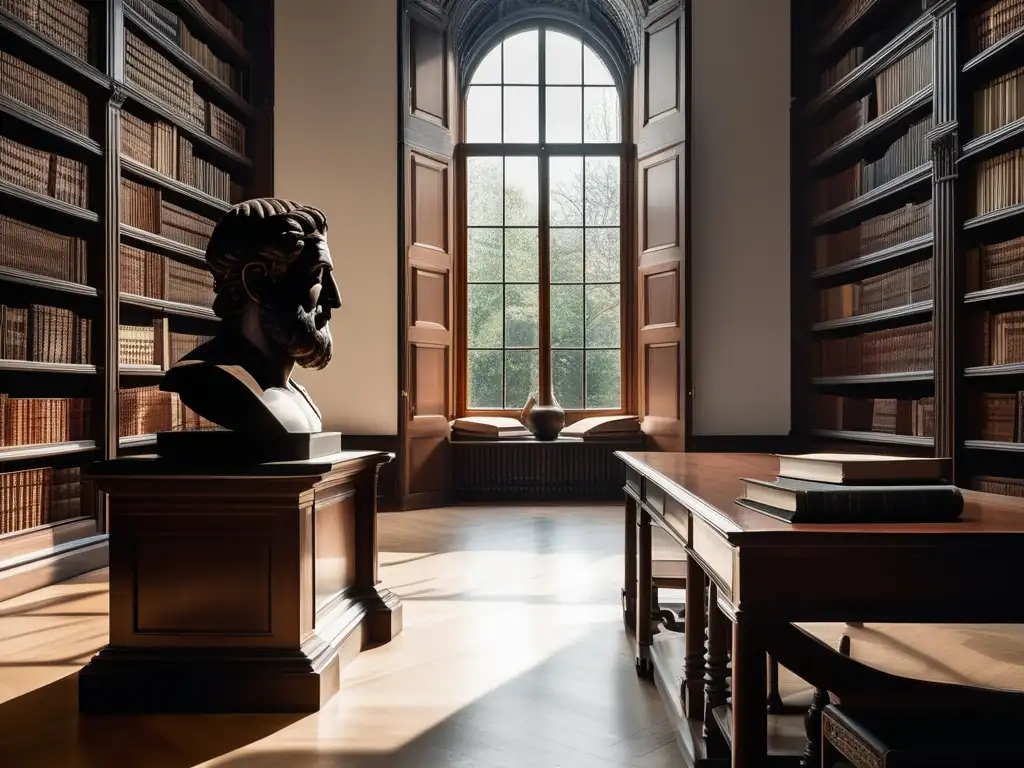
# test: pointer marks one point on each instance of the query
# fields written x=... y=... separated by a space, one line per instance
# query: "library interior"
x=511 y=383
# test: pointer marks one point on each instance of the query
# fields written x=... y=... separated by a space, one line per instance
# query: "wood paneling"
x=662 y=241
x=430 y=298
x=429 y=72
x=430 y=196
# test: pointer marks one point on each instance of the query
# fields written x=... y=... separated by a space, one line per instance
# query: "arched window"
x=543 y=248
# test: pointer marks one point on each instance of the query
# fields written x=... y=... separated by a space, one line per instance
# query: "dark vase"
x=547 y=419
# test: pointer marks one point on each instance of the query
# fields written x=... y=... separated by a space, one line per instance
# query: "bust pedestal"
x=237 y=589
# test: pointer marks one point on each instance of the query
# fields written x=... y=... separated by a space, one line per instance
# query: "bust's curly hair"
x=266 y=231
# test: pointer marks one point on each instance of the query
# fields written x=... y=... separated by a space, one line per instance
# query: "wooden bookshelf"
x=128 y=127
x=857 y=87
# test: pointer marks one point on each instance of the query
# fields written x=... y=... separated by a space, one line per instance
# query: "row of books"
x=154 y=344
x=840 y=16
x=848 y=62
x=999 y=182
x=885 y=415
x=897 y=288
x=994 y=265
x=29 y=248
x=65 y=23
x=42 y=420
x=878 y=233
x=34 y=497
x=143 y=208
x=45 y=173
x=909 y=151
x=892 y=350
x=1004 y=486
x=999 y=102
x=147 y=410
x=898 y=82
x=45 y=334
x=157 y=145
x=994 y=22
x=997 y=416
x=44 y=93
x=144 y=273
x=996 y=338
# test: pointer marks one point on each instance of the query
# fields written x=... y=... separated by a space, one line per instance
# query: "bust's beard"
x=295 y=332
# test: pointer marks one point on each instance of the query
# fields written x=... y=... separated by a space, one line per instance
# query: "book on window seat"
x=861 y=468
x=805 y=501
x=488 y=428
x=602 y=428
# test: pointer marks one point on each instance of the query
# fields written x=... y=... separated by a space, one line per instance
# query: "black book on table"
x=805 y=501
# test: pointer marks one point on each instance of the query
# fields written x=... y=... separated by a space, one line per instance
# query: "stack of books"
x=856 y=488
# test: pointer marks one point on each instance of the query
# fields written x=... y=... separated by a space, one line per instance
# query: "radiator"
x=532 y=470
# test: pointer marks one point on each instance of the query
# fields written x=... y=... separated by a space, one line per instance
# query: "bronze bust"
x=275 y=291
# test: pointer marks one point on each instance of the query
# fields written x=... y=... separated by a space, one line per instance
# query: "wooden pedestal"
x=240 y=589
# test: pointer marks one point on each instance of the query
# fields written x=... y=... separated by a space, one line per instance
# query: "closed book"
x=804 y=501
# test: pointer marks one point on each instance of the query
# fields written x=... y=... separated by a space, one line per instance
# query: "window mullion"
x=543 y=237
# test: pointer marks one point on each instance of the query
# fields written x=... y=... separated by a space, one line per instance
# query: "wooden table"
x=762 y=575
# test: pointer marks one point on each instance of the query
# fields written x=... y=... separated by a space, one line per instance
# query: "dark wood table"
x=762 y=575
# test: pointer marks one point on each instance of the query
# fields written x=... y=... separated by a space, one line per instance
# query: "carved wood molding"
x=118 y=96
x=849 y=745
x=945 y=146
x=940 y=9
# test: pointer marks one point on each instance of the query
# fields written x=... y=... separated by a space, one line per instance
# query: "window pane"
x=566 y=180
x=564 y=119
x=483 y=257
x=521 y=191
x=484 y=181
x=489 y=70
x=520 y=376
x=567 y=316
x=602 y=119
x=602 y=316
x=484 y=310
x=594 y=70
x=522 y=115
x=604 y=379
x=522 y=58
x=603 y=255
x=566 y=256
x=602 y=180
x=567 y=377
x=521 y=258
x=564 y=59
x=485 y=378
x=521 y=315
x=483 y=114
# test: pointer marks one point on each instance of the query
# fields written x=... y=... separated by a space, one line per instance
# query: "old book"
x=856 y=468
x=491 y=427
x=804 y=501
x=602 y=428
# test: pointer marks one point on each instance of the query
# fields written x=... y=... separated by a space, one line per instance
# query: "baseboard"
x=26 y=573
x=387 y=480
x=747 y=443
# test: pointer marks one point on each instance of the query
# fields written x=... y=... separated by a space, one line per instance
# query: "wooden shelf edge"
x=11 y=275
x=1007 y=369
x=876 y=378
x=171 y=307
x=136 y=441
x=45 y=450
x=993 y=445
x=228 y=98
x=79 y=70
x=884 y=315
x=40 y=122
x=128 y=369
x=990 y=142
x=145 y=173
x=874 y=437
x=992 y=294
x=31 y=366
x=54 y=564
x=1005 y=45
x=866 y=132
x=44 y=201
x=994 y=216
x=916 y=33
x=862 y=262
x=164 y=245
x=211 y=31
x=900 y=184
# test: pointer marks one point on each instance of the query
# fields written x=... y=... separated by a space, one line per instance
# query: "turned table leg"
x=644 y=585
x=716 y=666
x=693 y=640
x=629 y=575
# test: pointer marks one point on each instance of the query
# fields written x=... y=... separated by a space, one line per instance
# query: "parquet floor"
x=512 y=656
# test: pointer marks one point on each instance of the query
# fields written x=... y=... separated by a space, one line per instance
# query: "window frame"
x=543 y=151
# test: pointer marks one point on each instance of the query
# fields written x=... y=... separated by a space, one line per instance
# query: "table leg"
x=693 y=639
x=749 y=679
x=629 y=576
x=644 y=586
x=716 y=663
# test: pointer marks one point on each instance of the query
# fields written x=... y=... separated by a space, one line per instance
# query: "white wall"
x=335 y=147
x=740 y=217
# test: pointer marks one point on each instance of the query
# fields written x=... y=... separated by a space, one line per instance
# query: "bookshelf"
x=908 y=230
x=127 y=127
